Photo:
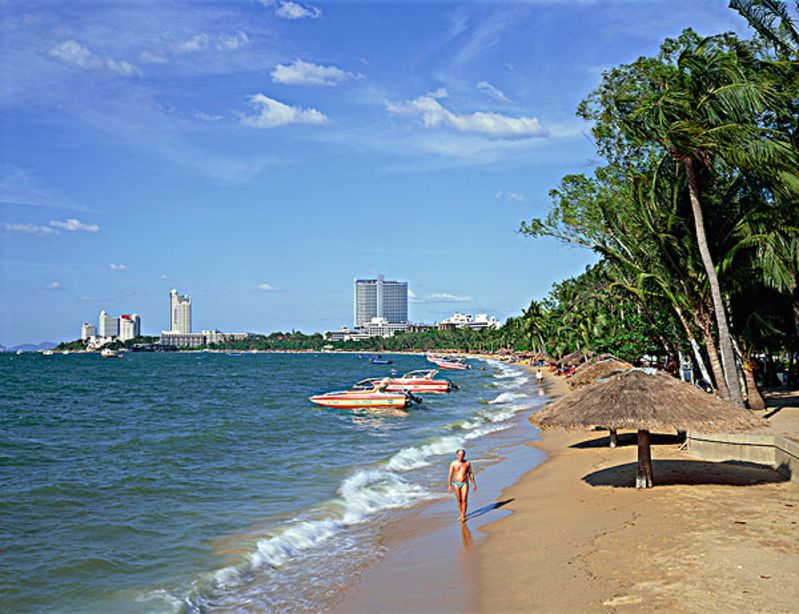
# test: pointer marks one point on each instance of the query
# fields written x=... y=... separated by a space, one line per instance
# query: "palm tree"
x=534 y=318
x=772 y=20
x=707 y=111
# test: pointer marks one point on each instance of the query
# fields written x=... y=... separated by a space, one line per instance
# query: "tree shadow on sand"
x=630 y=439
x=487 y=508
x=689 y=472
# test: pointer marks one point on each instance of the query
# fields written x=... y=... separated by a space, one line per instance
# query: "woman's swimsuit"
x=460 y=484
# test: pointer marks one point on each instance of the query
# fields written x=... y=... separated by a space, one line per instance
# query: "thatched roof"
x=595 y=371
x=575 y=358
x=637 y=399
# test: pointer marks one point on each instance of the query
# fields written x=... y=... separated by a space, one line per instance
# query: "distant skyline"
x=244 y=152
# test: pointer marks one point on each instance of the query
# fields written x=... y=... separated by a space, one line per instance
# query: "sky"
x=259 y=155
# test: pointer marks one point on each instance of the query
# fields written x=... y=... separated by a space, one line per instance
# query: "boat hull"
x=349 y=401
x=452 y=366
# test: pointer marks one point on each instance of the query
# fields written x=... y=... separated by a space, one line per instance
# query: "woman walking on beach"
x=460 y=471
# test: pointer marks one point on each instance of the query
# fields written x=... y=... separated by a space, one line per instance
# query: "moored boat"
x=375 y=397
x=452 y=363
x=108 y=353
x=421 y=380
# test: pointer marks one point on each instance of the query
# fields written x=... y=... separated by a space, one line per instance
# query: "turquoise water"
x=169 y=482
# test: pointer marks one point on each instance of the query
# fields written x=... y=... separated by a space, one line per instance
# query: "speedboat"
x=47 y=353
x=375 y=397
x=453 y=363
x=421 y=380
x=381 y=361
x=109 y=353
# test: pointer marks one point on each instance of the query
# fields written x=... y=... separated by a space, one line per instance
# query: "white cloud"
x=517 y=196
x=72 y=53
x=232 y=42
x=494 y=92
x=20 y=186
x=117 y=267
x=55 y=286
x=489 y=124
x=31 y=229
x=444 y=297
x=163 y=277
x=88 y=298
x=306 y=73
x=198 y=42
x=264 y=288
x=272 y=113
x=73 y=225
x=153 y=57
x=294 y=10
x=207 y=117
x=438 y=297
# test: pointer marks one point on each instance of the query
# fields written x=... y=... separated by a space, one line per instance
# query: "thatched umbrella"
x=595 y=371
x=590 y=372
x=645 y=401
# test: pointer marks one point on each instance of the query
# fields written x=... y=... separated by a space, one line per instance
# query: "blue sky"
x=259 y=155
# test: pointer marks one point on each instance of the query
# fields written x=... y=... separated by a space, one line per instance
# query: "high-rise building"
x=129 y=326
x=87 y=330
x=108 y=325
x=179 y=312
x=378 y=298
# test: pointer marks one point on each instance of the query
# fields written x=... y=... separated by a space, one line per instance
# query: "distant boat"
x=381 y=361
x=368 y=356
x=449 y=362
x=47 y=353
x=108 y=353
x=66 y=352
x=20 y=352
x=235 y=354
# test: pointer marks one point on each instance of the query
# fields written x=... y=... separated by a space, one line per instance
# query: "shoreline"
x=427 y=549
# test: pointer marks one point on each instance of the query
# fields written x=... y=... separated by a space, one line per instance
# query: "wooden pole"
x=614 y=438
x=643 y=476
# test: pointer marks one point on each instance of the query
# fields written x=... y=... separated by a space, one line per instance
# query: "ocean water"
x=206 y=482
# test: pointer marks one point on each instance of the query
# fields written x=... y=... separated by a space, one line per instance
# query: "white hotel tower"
x=179 y=312
x=378 y=298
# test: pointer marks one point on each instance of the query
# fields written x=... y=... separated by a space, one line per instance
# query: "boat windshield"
x=430 y=373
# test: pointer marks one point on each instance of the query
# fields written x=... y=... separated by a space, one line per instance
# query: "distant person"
x=460 y=471
x=539 y=377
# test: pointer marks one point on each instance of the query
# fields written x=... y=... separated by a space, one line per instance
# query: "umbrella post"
x=614 y=438
x=643 y=476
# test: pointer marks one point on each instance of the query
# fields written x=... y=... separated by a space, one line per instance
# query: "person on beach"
x=460 y=471
x=539 y=377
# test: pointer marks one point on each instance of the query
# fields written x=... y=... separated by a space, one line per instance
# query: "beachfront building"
x=129 y=326
x=214 y=336
x=379 y=298
x=179 y=312
x=347 y=334
x=182 y=340
x=87 y=331
x=479 y=321
x=108 y=326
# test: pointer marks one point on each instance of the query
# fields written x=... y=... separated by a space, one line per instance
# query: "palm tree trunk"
x=725 y=340
x=715 y=364
x=755 y=398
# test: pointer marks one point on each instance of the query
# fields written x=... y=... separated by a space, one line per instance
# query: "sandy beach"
x=709 y=537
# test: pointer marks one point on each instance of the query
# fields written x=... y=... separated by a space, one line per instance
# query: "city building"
x=108 y=326
x=179 y=312
x=214 y=336
x=87 y=331
x=182 y=340
x=464 y=320
x=347 y=334
x=420 y=328
x=378 y=298
x=129 y=326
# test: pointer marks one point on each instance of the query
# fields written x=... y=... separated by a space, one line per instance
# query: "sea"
x=198 y=482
